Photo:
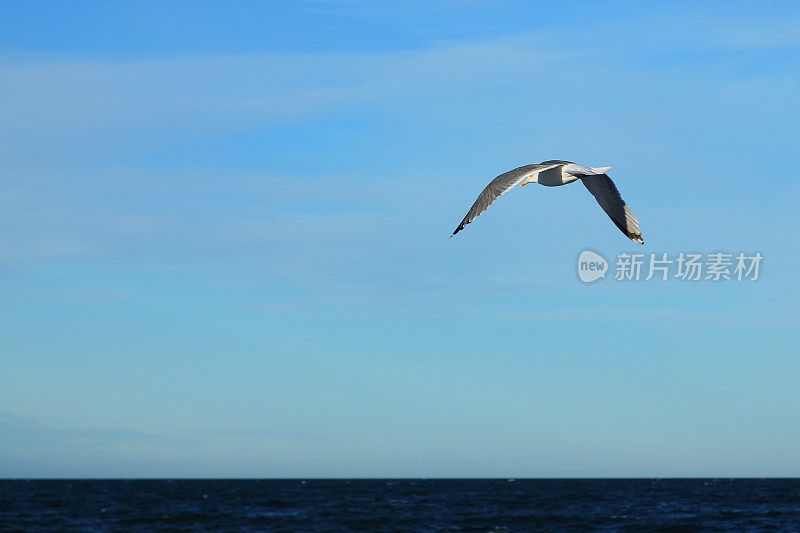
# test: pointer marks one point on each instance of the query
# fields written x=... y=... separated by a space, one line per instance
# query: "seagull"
x=552 y=174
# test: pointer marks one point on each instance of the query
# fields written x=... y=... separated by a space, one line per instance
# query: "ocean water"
x=401 y=505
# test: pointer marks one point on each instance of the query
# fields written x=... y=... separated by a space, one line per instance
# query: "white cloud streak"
x=62 y=118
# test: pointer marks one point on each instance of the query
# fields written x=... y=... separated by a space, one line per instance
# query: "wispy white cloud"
x=74 y=96
x=32 y=446
x=68 y=121
x=70 y=99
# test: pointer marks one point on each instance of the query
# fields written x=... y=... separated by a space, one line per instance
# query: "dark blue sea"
x=401 y=505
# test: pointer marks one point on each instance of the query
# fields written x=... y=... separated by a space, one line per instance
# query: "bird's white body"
x=563 y=174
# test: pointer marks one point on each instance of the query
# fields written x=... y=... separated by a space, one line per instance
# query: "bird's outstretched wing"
x=498 y=187
x=607 y=195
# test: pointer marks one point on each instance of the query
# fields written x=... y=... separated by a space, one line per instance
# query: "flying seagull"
x=555 y=173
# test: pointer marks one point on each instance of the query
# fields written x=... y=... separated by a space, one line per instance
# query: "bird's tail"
x=600 y=170
x=580 y=170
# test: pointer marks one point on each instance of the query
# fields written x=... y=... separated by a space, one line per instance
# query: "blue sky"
x=224 y=239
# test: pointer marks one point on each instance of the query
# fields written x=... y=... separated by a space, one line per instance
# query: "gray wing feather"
x=497 y=188
x=607 y=195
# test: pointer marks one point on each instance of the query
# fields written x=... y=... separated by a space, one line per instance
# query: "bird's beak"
x=524 y=183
